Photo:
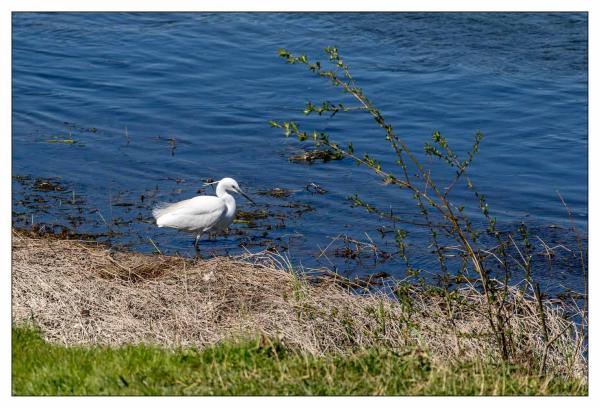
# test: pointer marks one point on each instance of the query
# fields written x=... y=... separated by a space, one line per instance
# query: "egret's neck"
x=221 y=192
x=228 y=199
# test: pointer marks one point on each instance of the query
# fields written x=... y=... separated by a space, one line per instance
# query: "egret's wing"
x=198 y=213
x=165 y=208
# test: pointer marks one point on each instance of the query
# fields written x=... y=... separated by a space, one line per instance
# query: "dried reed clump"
x=84 y=294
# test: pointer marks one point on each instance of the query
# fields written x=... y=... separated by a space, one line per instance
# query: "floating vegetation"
x=69 y=139
x=23 y=179
x=48 y=184
x=74 y=126
x=249 y=218
x=276 y=192
x=121 y=221
x=352 y=249
x=315 y=188
x=311 y=156
x=252 y=215
x=270 y=245
x=75 y=220
x=65 y=141
x=61 y=232
x=299 y=208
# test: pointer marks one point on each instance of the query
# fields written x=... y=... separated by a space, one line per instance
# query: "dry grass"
x=83 y=294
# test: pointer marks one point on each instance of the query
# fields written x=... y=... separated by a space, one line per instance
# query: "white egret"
x=202 y=213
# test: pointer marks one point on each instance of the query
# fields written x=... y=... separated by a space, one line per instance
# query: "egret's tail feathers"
x=160 y=210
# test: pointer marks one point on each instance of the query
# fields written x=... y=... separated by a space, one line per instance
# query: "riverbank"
x=83 y=294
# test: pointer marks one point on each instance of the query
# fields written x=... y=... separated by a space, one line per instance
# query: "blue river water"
x=113 y=112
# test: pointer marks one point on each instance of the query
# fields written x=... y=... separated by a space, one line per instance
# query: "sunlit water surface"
x=157 y=103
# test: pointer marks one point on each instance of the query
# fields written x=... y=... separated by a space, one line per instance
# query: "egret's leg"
x=197 y=247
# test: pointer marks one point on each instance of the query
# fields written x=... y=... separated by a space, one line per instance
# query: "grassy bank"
x=83 y=295
x=258 y=368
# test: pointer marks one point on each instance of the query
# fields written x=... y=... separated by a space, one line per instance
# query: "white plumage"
x=203 y=213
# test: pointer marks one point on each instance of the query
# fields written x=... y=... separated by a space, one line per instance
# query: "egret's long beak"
x=239 y=190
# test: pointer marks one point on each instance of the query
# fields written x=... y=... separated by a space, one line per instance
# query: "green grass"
x=256 y=368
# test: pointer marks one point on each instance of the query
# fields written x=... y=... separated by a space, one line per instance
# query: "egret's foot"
x=197 y=249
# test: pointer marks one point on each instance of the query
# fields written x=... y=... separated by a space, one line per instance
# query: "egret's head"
x=229 y=184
